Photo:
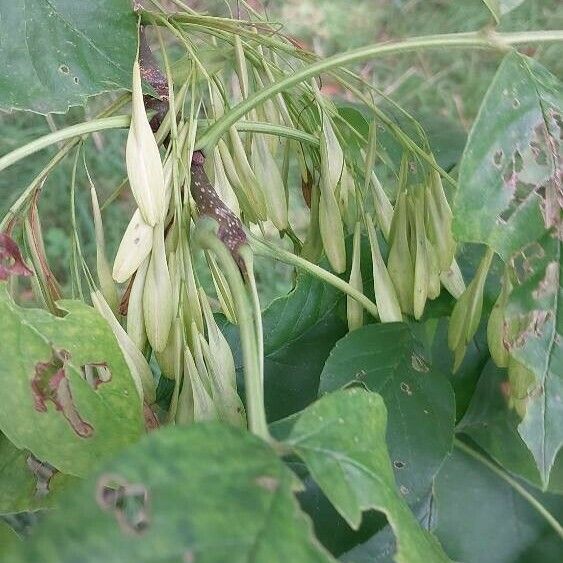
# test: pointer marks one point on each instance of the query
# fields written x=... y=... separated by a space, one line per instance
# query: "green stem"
x=513 y=483
x=116 y=122
x=471 y=40
x=207 y=239
x=263 y=248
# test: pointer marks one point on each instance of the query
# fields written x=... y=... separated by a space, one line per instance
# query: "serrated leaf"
x=478 y=516
x=491 y=423
x=182 y=499
x=56 y=53
x=390 y=360
x=341 y=438
x=509 y=173
x=51 y=409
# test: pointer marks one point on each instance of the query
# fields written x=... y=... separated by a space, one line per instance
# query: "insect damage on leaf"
x=96 y=374
x=209 y=204
x=50 y=383
x=11 y=261
x=128 y=501
x=43 y=473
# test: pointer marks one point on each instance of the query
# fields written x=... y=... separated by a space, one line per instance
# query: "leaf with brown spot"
x=52 y=409
x=11 y=261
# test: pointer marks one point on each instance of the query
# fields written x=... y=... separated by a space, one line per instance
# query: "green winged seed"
x=332 y=157
x=268 y=175
x=222 y=185
x=107 y=285
x=134 y=248
x=135 y=316
x=332 y=231
x=354 y=310
x=421 y=261
x=434 y=284
x=452 y=280
x=400 y=263
x=496 y=325
x=382 y=206
x=138 y=366
x=171 y=359
x=385 y=295
x=144 y=167
x=157 y=294
x=203 y=405
x=439 y=229
x=466 y=315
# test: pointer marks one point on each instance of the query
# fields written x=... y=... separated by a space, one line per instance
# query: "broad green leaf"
x=509 y=173
x=25 y=483
x=535 y=325
x=389 y=359
x=206 y=493
x=341 y=438
x=51 y=409
x=478 y=516
x=494 y=427
x=8 y=537
x=56 y=53
x=501 y=7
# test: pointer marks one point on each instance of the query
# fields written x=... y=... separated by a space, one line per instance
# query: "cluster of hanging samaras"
x=241 y=185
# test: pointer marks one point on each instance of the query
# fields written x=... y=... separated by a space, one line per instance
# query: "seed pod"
x=144 y=167
x=400 y=263
x=222 y=185
x=134 y=248
x=385 y=294
x=249 y=183
x=216 y=98
x=135 y=315
x=222 y=289
x=421 y=256
x=332 y=157
x=191 y=306
x=172 y=357
x=496 y=325
x=225 y=397
x=313 y=245
x=434 y=285
x=103 y=269
x=354 y=310
x=382 y=206
x=332 y=231
x=203 y=405
x=240 y=67
x=466 y=315
x=269 y=177
x=452 y=280
x=138 y=367
x=439 y=229
x=157 y=295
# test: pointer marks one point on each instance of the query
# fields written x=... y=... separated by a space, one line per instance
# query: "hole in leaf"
x=128 y=501
x=76 y=80
x=405 y=387
x=96 y=374
x=399 y=464
x=518 y=162
x=515 y=103
x=43 y=473
x=497 y=158
x=64 y=69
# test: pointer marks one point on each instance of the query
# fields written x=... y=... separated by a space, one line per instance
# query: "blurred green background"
x=449 y=84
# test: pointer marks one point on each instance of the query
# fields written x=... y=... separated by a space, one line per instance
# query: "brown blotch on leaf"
x=151 y=420
x=43 y=473
x=50 y=384
x=96 y=374
x=267 y=482
x=11 y=261
x=129 y=502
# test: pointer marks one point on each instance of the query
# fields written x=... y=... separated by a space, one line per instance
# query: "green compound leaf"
x=390 y=360
x=341 y=438
x=56 y=53
x=70 y=397
x=479 y=516
x=493 y=425
x=26 y=484
x=207 y=493
x=535 y=325
x=509 y=174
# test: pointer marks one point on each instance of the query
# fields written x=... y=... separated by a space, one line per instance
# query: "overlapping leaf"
x=341 y=438
x=177 y=496
x=388 y=359
x=59 y=406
